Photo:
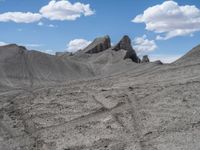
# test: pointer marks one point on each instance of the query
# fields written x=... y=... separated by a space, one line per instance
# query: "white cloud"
x=64 y=10
x=170 y=19
x=77 y=44
x=3 y=43
x=142 y=44
x=55 y=10
x=20 y=17
x=166 y=58
x=40 y=23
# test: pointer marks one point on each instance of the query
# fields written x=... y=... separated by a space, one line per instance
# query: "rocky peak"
x=98 y=45
x=145 y=59
x=124 y=43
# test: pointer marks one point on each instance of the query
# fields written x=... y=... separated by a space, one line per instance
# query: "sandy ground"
x=156 y=108
x=97 y=102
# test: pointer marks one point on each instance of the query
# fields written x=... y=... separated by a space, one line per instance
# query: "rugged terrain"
x=100 y=98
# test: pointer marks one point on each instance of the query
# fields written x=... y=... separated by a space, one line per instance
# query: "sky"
x=164 y=30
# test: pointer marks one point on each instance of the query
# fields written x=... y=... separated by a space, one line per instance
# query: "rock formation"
x=145 y=59
x=98 y=45
x=125 y=44
x=28 y=67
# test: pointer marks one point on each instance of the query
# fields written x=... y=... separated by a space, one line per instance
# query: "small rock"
x=145 y=59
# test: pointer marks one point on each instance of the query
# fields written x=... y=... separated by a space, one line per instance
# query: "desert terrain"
x=100 y=98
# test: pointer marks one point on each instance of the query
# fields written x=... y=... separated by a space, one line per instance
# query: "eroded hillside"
x=144 y=107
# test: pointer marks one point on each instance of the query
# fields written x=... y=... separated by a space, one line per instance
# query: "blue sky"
x=50 y=33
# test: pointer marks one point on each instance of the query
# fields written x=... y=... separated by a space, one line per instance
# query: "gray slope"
x=138 y=107
x=191 y=57
x=20 y=66
x=146 y=108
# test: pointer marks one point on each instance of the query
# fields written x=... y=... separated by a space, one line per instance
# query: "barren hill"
x=22 y=67
x=98 y=101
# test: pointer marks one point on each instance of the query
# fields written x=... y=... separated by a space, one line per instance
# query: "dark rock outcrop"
x=98 y=45
x=130 y=54
x=125 y=44
x=145 y=59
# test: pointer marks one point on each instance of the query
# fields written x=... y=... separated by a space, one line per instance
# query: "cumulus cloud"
x=64 y=10
x=77 y=44
x=20 y=17
x=55 y=10
x=169 y=20
x=142 y=44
